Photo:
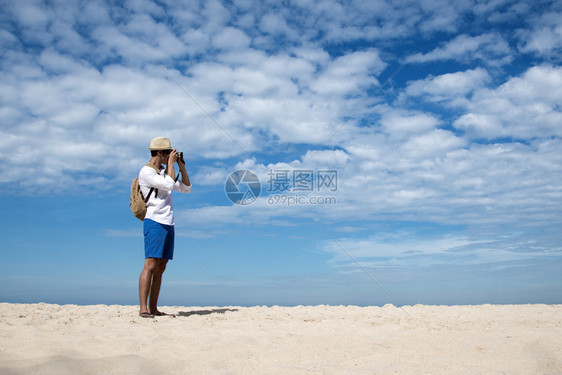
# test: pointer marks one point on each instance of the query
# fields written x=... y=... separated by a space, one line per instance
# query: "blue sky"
x=441 y=119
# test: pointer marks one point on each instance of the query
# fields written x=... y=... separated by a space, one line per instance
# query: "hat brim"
x=160 y=149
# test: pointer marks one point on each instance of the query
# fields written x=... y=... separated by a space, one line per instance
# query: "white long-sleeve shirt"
x=160 y=208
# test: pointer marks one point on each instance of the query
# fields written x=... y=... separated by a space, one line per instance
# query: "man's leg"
x=155 y=286
x=145 y=282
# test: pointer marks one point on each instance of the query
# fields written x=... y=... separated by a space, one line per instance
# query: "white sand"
x=487 y=339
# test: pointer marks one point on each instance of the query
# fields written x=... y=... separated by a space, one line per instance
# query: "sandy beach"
x=483 y=339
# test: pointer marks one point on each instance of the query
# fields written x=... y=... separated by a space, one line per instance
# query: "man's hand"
x=171 y=160
x=181 y=161
x=172 y=157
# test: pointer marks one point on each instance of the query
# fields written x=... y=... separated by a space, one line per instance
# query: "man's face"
x=164 y=155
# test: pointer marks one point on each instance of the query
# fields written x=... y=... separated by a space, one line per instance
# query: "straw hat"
x=160 y=143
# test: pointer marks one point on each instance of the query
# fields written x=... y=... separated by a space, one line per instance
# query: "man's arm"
x=148 y=177
x=171 y=161
x=184 y=175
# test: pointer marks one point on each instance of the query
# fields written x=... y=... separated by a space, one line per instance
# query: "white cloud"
x=118 y=108
x=385 y=20
x=67 y=39
x=94 y=13
x=57 y=63
x=215 y=16
x=545 y=38
x=318 y=159
x=99 y=89
x=289 y=68
x=314 y=55
x=197 y=41
x=480 y=124
x=231 y=38
x=448 y=87
x=30 y=15
x=399 y=124
x=399 y=250
x=7 y=39
x=395 y=245
x=274 y=24
x=544 y=41
x=490 y=48
x=140 y=41
x=524 y=107
x=348 y=73
x=145 y=6
x=434 y=143
x=434 y=176
x=441 y=15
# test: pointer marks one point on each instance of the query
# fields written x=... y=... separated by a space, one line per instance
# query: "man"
x=159 y=220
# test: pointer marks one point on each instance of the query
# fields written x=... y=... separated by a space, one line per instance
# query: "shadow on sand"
x=204 y=312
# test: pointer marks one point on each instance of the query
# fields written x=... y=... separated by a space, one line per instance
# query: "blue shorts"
x=158 y=240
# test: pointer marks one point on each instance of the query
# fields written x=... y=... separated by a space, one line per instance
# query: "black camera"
x=180 y=157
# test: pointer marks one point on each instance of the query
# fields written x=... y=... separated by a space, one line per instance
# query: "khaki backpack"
x=138 y=202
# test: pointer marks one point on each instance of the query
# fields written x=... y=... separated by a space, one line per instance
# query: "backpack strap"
x=153 y=167
x=177 y=177
x=152 y=188
x=150 y=192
